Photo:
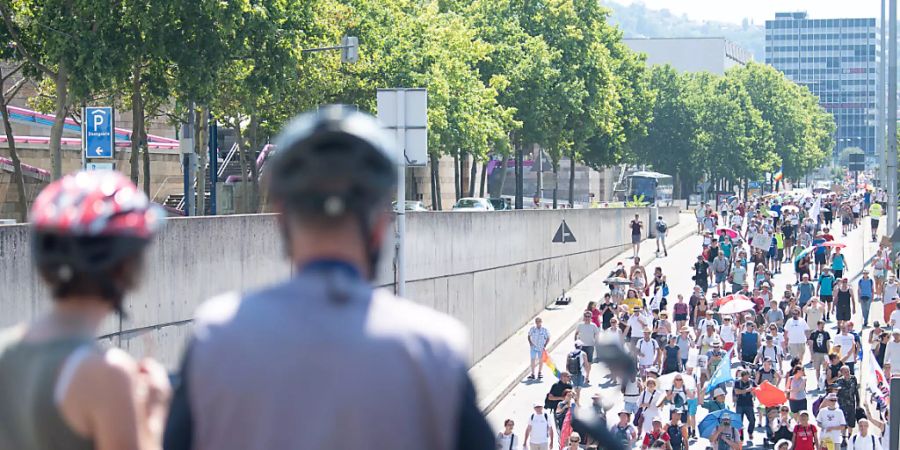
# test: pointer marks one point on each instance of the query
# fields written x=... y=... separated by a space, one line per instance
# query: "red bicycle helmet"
x=87 y=223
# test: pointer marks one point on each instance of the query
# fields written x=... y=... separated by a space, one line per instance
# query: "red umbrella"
x=731 y=297
x=833 y=244
x=731 y=233
x=769 y=395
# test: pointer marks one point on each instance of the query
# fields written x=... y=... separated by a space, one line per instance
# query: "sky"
x=759 y=11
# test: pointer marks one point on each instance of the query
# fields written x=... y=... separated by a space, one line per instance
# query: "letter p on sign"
x=98 y=119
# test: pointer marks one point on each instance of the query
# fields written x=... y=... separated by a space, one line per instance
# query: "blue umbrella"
x=709 y=423
x=804 y=252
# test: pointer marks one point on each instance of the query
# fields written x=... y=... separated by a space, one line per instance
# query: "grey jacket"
x=322 y=362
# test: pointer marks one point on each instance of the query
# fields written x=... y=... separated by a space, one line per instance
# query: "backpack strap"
x=512 y=439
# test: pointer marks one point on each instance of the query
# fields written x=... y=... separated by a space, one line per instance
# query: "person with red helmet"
x=58 y=388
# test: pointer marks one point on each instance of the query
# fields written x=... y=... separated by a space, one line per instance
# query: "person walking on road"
x=538 y=338
x=831 y=423
x=624 y=431
x=743 y=403
x=506 y=439
x=825 y=291
x=844 y=304
x=59 y=389
x=587 y=332
x=875 y=212
x=539 y=430
x=360 y=349
x=865 y=290
x=819 y=347
x=848 y=397
x=795 y=334
x=725 y=437
x=662 y=231
x=864 y=439
x=636 y=232
x=892 y=353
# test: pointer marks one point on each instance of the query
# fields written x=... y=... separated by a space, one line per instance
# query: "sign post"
x=405 y=111
x=97 y=137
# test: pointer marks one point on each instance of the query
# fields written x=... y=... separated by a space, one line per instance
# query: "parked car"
x=412 y=206
x=473 y=204
x=500 y=204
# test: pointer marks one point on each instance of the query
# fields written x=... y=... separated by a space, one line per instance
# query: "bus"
x=656 y=188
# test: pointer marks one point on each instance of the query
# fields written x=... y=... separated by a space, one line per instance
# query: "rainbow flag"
x=549 y=362
x=779 y=175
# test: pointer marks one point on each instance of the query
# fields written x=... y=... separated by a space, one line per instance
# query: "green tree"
x=69 y=43
x=671 y=140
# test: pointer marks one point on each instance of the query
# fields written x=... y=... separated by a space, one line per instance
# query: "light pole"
x=892 y=123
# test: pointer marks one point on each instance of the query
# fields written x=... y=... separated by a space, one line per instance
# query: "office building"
x=838 y=60
x=694 y=54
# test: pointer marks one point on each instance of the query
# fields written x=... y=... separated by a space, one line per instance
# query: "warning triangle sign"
x=563 y=234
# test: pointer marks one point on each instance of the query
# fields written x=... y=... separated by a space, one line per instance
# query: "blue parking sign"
x=97 y=137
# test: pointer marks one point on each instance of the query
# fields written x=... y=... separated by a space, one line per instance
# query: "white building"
x=692 y=54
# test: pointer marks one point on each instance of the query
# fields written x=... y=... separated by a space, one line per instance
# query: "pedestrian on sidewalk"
x=558 y=391
x=636 y=226
x=662 y=231
x=578 y=365
x=538 y=338
x=875 y=212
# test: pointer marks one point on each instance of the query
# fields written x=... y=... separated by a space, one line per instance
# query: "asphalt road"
x=518 y=404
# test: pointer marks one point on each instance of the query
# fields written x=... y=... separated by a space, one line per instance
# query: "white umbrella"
x=667 y=381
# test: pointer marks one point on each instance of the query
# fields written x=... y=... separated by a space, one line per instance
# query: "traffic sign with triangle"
x=563 y=234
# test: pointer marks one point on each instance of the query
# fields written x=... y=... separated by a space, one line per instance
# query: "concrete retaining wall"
x=493 y=271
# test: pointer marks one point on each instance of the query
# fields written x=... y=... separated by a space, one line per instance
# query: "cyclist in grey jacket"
x=323 y=360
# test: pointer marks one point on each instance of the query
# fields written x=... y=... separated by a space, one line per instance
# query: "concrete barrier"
x=493 y=271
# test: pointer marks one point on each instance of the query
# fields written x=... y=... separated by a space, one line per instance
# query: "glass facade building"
x=837 y=60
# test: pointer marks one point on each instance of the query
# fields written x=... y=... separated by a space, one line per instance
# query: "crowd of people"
x=752 y=362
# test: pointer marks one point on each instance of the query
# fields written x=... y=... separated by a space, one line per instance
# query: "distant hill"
x=636 y=20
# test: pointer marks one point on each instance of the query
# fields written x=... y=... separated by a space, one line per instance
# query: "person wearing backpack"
x=864 y=439
x=624 y=431
x=577 y=365
x=677 y=431
x=540 y=430
x=662 y=230
x=506 y=439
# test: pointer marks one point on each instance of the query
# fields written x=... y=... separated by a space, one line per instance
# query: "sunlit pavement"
x=518 y=404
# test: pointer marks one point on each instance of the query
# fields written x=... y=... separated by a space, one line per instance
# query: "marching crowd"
x=785 y=366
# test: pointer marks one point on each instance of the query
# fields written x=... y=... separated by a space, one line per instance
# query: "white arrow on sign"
x=99 y=151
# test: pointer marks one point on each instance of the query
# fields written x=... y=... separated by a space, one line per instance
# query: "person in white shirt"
x=848 y=345
x=540 y=429
x=506 y=439
x=708 y=321
x=728 y=333
x=648 y=350
x=831 y=421
x=892 y=352
x=586 y=332
x=795 y=330
x=865 y=439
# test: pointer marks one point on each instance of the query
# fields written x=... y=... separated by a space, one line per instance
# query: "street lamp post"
x=892 y=123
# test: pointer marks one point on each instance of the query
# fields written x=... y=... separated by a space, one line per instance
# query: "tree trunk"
x=200 y=138
x=572 y=181
x=456 y=174
x=18 y=176
x=137 y=118
x=242 y=158
x=436 y=202
x=504 y=171
x=483 y=179
x=56 y=131
x=473 y=175
x=555 y=184
x=432 y=177
x=253 y=135
x=677 y=184
x=145 y=150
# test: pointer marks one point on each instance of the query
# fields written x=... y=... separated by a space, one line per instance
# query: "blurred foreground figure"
x=323 y=361
x=59 y=390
